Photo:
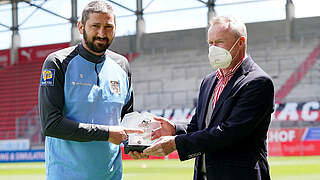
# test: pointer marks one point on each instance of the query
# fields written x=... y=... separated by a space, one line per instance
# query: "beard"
x=99 y=48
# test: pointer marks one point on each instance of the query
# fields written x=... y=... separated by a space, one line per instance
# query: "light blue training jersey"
x=94 y=93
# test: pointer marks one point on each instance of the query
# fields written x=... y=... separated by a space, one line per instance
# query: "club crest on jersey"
x=47 y=77
x=114 y=87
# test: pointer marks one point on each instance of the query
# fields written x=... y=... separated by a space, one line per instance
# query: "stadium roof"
x=132 y=11
x=10 y=1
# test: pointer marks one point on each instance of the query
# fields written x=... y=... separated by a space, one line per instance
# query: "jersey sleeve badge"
x=47 y=77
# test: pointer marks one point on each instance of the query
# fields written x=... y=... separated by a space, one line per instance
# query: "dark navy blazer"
x=235 y=141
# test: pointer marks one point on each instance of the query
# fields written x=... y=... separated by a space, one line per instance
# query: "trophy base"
x=138 y=148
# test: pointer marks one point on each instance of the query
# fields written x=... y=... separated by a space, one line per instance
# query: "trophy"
x=139 y=141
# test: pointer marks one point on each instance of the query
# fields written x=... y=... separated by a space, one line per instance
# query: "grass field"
x=282 y=168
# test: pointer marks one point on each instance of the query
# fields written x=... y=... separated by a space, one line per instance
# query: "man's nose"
x=102 y=32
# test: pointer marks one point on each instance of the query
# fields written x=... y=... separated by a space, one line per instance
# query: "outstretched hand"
x=117 y=134
x=167 y=128
x=164 y=146
x=137 y=155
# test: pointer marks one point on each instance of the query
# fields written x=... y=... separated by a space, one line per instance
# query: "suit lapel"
x=209 y=90
x=236 y=78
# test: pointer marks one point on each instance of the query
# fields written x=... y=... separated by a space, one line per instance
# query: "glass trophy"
x=139 y=141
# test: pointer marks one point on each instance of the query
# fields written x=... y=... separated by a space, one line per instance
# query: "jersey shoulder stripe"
x=120 y=60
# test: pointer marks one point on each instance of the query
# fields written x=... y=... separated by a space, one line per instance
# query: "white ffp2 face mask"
x=220 y=57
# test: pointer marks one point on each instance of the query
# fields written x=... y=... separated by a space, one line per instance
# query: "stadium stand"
x=18 y=94
x=168 y=80
x=304 y=82
x=172 y=79
x=287 y=66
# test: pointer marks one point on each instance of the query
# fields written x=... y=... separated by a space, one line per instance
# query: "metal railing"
x=28 y=127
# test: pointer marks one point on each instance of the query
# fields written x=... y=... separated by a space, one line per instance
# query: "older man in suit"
x=227 y=134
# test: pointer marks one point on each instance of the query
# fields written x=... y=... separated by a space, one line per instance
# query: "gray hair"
x=95 y=7
x=232 y=24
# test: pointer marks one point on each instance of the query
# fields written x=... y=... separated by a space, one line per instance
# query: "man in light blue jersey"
x=84 y=92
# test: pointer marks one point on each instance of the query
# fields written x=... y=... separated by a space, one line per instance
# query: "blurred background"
x=165 y=43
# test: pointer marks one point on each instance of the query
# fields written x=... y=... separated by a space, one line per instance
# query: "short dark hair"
x=95 y=7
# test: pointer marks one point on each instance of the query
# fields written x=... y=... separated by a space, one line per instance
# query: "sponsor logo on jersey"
x=114 y=87
x=80 y=84
x=47 y=77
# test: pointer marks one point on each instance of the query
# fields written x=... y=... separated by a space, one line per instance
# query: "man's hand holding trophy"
x=139 y=141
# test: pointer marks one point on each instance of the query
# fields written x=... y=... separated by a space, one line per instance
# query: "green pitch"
x=282 y=168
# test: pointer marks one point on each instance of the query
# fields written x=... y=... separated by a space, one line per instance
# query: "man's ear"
x=80 y=27
x=243 y=40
